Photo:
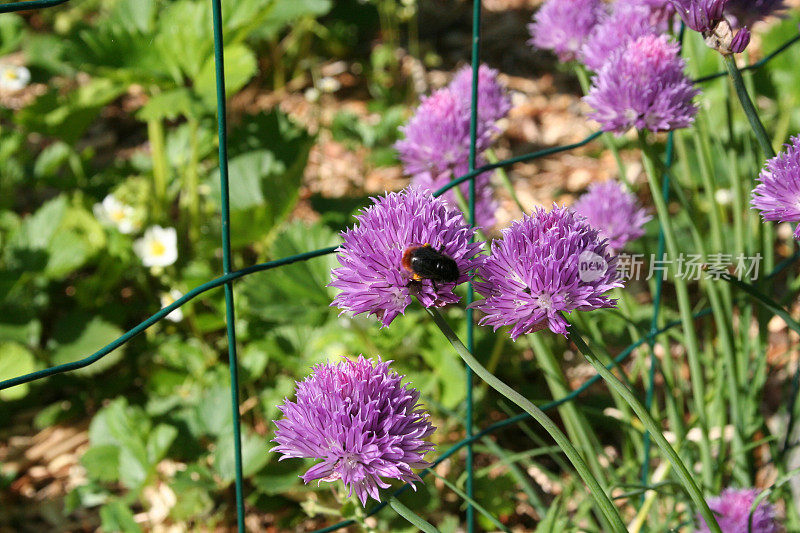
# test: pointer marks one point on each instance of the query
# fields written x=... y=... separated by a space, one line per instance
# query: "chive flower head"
x=372 y=278
x=614 y=212
x=777 y=194
x=643 y=86
x=563 y=26
x=546 y=263
x=363 y=423
x=732 y=510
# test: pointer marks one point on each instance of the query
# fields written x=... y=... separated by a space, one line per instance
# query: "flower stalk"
x=748 y=107
x=598 y=493
x=684 y=306
x=655 y=431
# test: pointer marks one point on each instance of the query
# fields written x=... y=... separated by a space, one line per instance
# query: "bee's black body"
x=427 y=263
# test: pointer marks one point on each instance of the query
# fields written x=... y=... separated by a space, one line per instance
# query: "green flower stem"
x=770 y=304
x=191 y=201
x=155 y=134
x=684 y=307
x=655 y=431
x=577 y=426
x=522 y=479
x=411 y=516
x=749 y=108
x=720 y=299
x=723 y=319
x=471 y=501
x=604 y=503
x=649 y=498
x=740 y=212
x=700 y=134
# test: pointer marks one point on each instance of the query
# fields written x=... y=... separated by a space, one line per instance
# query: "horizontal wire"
x=32 y=4
x=217 y=282
x=753 y=66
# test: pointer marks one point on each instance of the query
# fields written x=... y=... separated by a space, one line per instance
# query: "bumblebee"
x=424 y=262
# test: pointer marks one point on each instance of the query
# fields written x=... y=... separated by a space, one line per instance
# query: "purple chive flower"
x=613 y=32
x=700 y=15
x=643 y=86
x=777 y=195
x=563 y=25
x=437 y=136
x=746 y=12
x=493 y=100
x=435 y=149
x=545 y=264
x=661 y=11
x=361 y=421
x=732 y=510
x=372 y=278
x=614 y=212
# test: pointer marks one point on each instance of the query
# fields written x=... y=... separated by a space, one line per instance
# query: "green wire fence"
x=229 y=274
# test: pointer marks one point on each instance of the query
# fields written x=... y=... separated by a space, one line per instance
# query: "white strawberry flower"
x=112 y=212
x=329 y=85
x=158 y=247
x=13 y=77
x=168 y=298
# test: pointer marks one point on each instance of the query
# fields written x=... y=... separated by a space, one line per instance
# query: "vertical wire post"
x=473 y=134
x=219 y=62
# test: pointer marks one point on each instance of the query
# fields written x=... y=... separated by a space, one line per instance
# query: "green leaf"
x=254 y=359
x=52 y=159
x=123 y=426
x=102 y=462
x=58 y=239
x=76 y=337
x=273 y=396
x=171 y=105
x=251 y=171
x=68 y=116
x=19 y=326
x=297 y=292
x=115 y=53
x=159 y=442
x=284 y=12
x=214 y=412
x=184 y=46
x=15 y=360
x=134 y=15
x=115 y=516
x=272 y=485
x=38 y=229
x=194 y=485
x=194 y=503
x=190 y=355
x=268 y=156
x=240 y=66
x=133 y=468
x=254 y=455
x=89 y=495
x=68 y=252
x=11 y=29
